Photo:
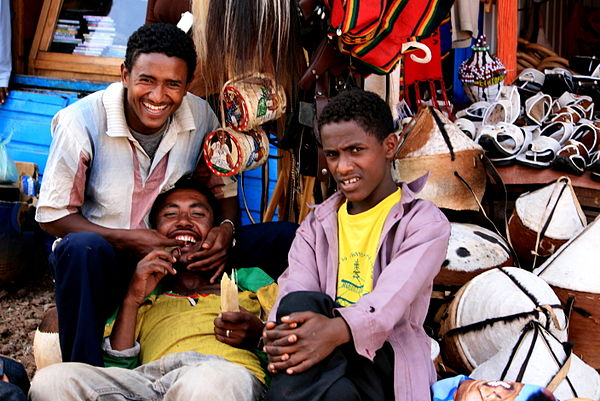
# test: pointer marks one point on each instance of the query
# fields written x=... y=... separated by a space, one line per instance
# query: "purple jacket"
x=411 y=251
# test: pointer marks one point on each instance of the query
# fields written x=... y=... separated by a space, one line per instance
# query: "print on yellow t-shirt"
x=359 y=236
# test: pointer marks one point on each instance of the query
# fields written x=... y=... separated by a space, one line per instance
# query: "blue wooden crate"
x=28 y=111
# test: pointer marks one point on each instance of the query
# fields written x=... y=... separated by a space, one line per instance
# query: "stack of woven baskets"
x=534 y=55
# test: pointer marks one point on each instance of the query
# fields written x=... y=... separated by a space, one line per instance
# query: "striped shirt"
x=97 y=168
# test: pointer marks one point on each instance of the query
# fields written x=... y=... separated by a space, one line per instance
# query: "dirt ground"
x=22 y=305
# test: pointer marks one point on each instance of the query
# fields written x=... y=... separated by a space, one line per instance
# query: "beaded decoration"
x=482 y=74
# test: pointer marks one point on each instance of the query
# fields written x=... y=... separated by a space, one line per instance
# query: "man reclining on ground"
x=169 y=326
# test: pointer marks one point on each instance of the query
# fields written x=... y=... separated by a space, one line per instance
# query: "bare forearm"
x=123 y=333
x=74 y=223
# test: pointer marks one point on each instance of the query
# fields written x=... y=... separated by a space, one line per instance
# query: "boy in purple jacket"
x=348 y=324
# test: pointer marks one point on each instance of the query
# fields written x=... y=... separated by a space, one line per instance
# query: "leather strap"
x=560 y=375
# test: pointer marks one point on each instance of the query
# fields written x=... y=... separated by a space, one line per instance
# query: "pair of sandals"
x=581 y=151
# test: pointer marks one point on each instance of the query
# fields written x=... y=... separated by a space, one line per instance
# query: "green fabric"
x=131 y=362
x=252 y=279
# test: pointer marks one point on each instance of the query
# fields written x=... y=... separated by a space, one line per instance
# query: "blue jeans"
x=17 y=389
x=92 y=278
x=183 y=376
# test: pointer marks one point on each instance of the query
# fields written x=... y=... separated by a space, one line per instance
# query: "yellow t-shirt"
x=170 y=323
x=359 y=236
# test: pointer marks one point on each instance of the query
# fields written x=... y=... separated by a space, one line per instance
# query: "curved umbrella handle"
x=417 y=45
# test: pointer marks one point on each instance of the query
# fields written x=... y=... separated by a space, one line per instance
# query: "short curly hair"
x=161 y=38
x=365 y=108
x=186 y=182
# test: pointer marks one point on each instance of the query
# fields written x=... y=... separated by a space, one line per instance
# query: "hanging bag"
x=8 y=169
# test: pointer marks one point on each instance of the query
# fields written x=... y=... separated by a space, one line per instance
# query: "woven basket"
x=584 y=324
x=493 y=296
x=250 y=101
x=554 y=207
x=424 y=149
x=574 y=271
x=227 y=152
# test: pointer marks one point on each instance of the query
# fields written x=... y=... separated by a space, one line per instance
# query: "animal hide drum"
x=543 y=220
x=490 y=311
x=46 y=345
x=574 y=271
x=537 y=357
x=471 y=250
x=432 y=143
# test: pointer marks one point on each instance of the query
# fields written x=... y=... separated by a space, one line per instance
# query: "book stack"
x=65 y=37
x=100 y=36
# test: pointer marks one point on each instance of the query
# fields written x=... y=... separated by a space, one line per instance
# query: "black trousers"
x=343 y=375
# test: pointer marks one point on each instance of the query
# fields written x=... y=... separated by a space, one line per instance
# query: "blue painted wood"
x=252 y=187
x=26 y=117
x=36 y=81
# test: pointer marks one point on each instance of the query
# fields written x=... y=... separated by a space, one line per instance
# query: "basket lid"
x=506 y=296
x=472 y=248
x=540 y=353
x=556 y=203
x=423 y=136
x=575 y=265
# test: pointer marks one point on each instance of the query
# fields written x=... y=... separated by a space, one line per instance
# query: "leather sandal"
x=474 y=112
x=581 y=103
x=572 y=158
x=575 y=156
x=595 y=167
x=503 y=142
x=538 y=107
x=510 y=93
x=545 y=145
x=540 y=153
x=531 y=78
x=566 y=115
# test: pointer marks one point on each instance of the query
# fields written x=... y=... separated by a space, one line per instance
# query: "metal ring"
x=227 y=332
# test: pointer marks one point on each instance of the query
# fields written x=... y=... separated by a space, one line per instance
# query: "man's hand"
x=143 y=241
x=244 y=328
x=149 y=271
x=3 y=95
x=303 y=340
x=211 y=254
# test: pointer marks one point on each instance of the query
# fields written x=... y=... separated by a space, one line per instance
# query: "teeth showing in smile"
x=350 y=181
x=154 y=108
x=186 y=238
x=499 y=384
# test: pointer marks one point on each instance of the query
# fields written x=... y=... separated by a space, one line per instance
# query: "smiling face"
x=482 y=390
x=186 y=215
x=359 y=162
x=155 y=87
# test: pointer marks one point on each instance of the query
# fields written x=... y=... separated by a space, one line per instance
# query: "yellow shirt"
x=359 y=236
x=167 y=324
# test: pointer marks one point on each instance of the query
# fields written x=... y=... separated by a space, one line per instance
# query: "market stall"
x=503 y=115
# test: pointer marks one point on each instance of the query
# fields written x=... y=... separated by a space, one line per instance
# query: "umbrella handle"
x=417 y=45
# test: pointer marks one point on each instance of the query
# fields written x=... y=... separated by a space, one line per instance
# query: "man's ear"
x=124 y=75
x=390 y=144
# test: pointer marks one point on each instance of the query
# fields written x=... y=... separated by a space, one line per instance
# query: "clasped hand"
x=302 y=340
